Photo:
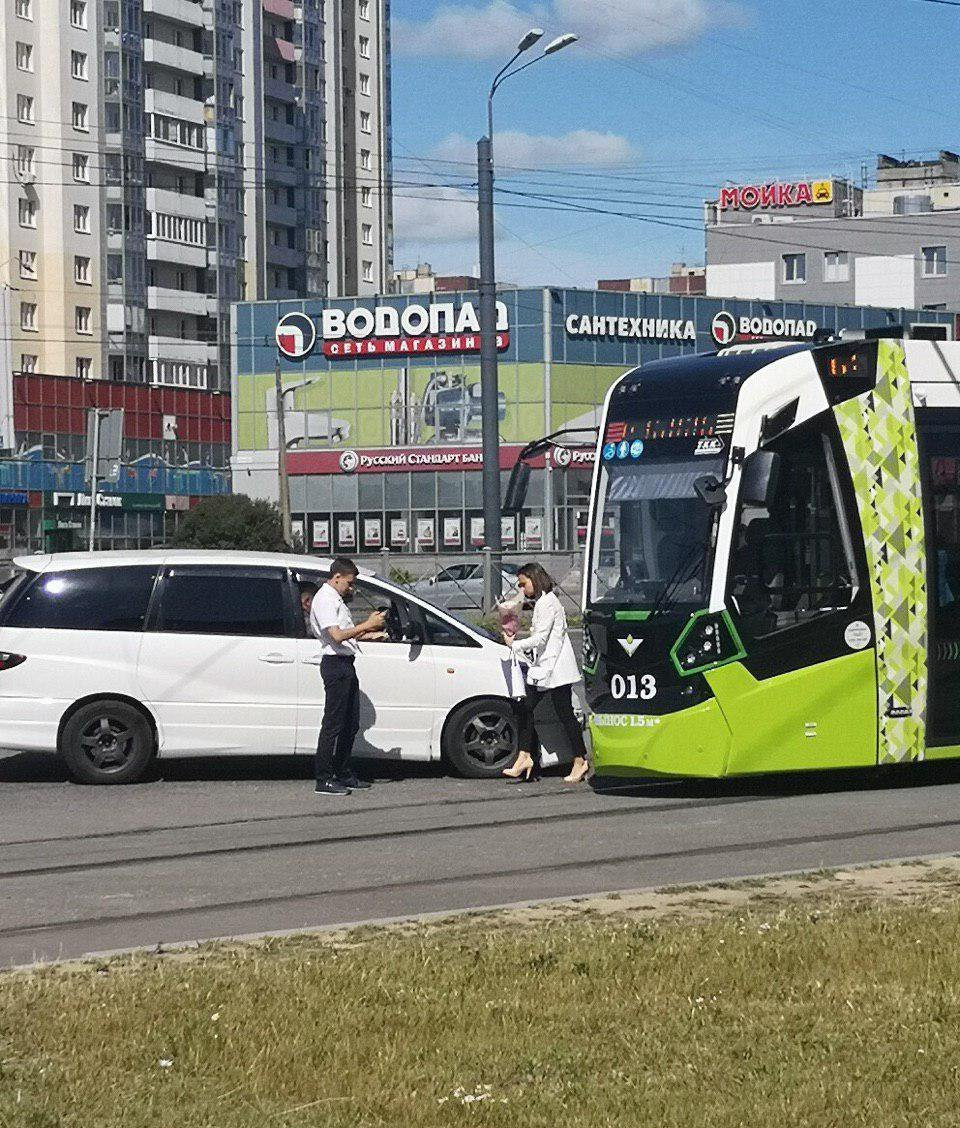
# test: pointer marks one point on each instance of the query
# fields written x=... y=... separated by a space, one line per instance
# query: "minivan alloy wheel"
x=489 y=737
x=107 y=742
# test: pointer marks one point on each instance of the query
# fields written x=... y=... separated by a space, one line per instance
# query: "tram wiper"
x=684 y=571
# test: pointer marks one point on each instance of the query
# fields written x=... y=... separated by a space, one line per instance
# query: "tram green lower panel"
x=692 y=742
x=822 y=716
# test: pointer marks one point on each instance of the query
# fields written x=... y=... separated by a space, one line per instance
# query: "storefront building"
x=176 y=444
x=381 y=401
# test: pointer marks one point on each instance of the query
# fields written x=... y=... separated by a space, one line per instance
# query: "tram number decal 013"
x=633 y=688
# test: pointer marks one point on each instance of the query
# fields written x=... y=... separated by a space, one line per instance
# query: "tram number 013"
x=633 y=688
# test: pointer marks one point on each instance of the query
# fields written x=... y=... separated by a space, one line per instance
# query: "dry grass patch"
x=823 y=1001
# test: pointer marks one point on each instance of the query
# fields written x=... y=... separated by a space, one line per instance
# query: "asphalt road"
x=229 y=847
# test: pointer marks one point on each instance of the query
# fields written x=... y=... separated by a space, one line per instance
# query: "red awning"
x=281 y=8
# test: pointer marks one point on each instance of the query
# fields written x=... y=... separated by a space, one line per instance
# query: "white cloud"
x=464 y=30
x=428 y=216
x=620 y=27
x=581 y=148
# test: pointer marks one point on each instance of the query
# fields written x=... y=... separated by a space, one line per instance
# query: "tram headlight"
x=707 y=641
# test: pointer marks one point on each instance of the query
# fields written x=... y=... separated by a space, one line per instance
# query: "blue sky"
x=660 y=102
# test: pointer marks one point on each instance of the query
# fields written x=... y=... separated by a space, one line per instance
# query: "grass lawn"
x=835 y=1005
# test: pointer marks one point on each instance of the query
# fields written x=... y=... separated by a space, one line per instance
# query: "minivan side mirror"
x=758 y=479
x=516 y=493
x=413 y=632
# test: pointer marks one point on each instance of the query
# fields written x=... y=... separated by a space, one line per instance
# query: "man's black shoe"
x=354 y=782
x=331 y=787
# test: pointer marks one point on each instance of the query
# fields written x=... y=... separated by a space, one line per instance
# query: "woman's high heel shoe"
x=523 y=768
x=578 y=772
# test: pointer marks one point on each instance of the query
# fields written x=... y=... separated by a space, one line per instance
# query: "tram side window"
x=945 y=480
x=794 y=561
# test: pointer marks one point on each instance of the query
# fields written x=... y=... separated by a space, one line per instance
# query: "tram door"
x=939 y=440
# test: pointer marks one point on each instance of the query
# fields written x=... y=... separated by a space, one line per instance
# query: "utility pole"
x=97 y=416
x=489 y=375
x=282 y=463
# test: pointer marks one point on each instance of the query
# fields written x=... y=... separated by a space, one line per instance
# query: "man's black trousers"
x=341 y=715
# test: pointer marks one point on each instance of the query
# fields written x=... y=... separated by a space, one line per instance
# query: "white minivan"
x=113 y=658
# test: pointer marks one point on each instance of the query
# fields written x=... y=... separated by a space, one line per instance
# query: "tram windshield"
x=653 y=534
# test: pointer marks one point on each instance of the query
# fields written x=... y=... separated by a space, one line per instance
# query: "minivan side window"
x=442 y=633
x=223 y=601
x=85 y=599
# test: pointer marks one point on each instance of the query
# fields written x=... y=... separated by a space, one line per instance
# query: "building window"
x=364 y=122
x=24 y=9
x=366 y=197
x=81 y=269
x=25 y=109
x=24 y=57
x=81 y=168
x=80 y=119
x=364 y=47
x=114 y=268
x=111 y=15
x=83 y=367
x=25 y=157
x=28 y=264
x=365 y=159
x=114 y=218
x=934 y=262
x=794 y=268
x=364 y=83
x=367 y=271
x=78 y=13
x=81 y=219
x=366 y=234
x=28 y=317
x=78 y=65
x=28 y=362
x=28 y=212
x=82 y=320
x=363 y=9
x=836 y=266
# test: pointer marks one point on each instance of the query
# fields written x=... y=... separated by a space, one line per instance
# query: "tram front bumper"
x=691 y=742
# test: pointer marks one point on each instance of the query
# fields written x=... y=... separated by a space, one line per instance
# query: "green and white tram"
x=772 y=580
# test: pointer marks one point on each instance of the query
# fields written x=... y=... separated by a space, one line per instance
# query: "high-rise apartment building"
x=170 y=157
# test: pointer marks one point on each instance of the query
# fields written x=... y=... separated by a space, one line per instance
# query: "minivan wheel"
x=480 y=738
x=107 y=742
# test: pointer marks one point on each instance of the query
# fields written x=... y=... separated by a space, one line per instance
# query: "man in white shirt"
x=332 y=624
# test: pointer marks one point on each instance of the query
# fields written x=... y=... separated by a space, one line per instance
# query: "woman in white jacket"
x=552 y=673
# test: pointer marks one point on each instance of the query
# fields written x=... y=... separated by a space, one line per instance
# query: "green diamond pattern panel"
x=880 y=439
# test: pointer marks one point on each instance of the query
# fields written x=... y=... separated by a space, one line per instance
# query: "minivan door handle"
x=276 y=659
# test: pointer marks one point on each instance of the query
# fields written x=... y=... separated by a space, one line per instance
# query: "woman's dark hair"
x=538 y=576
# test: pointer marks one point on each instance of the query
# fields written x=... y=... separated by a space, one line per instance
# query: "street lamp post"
x=489 y=381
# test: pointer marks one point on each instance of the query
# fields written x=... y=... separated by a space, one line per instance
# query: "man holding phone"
x=332 y=624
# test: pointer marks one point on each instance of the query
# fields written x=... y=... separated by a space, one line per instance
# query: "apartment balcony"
x=177 y=156
x=282 y=133
x=161 y=54
x=279 y=213
x=176 y=203
x=172 y=105
x=180 y=254
x=284 y=256
x=283 y=49
x=285 y=9
x=180 y=350
x=180 y=301
x=280 y=90
x=188 y=12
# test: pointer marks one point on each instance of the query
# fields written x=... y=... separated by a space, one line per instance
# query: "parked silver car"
x=459 y=587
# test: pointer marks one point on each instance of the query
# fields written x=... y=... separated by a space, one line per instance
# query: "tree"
x=235 y=521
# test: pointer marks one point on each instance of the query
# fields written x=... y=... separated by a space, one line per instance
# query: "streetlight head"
x=532 y=36
x=559 y=43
